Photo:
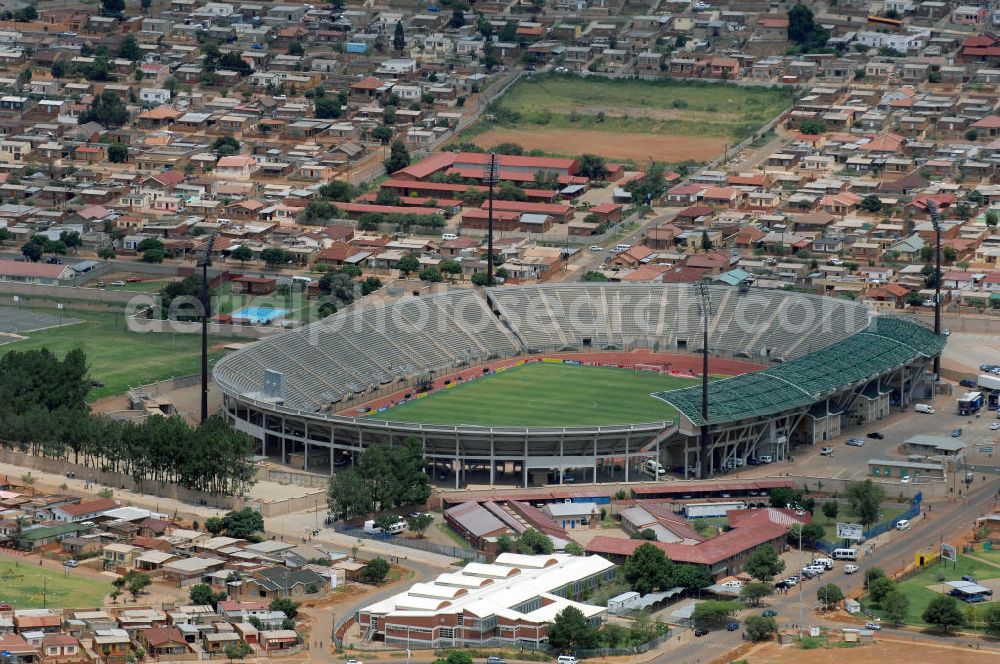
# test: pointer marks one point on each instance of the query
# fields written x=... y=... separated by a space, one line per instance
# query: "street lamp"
x=491 y=176
x=935 y=214
x=705 y=302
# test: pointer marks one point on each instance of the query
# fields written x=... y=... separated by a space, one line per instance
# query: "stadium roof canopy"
x=885 y=344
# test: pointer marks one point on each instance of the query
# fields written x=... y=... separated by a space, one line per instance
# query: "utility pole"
x=206 y=312
x=706 y=311
x=490 y=177
x=935 y=214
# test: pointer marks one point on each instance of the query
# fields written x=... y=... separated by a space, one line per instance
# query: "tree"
x=26 y=14
x=457 y=19
x=694 y=577
x=871 y=574
x=592 y=166
x=880 y=588
x=118 y=153
x=871 y=203
x=296 y=48
x=829 y=595
x=244 y=523
x=408 y=264
x=534 y=542
x=944 y=613
x=948 y=254
x=106 y=109
x=713 y=613
x=509 y=148
x=570 y=630
x=455 y=657
x=326 y=108
x=992 y=219
x=505 y=544
x=153 y=256
x=241 y=648
x=242 y=253
x=32 y=251
x=759 y=628
x=398 y=38
x=145 y=4
x=754 y=593
x=865 y=499
x=479 y=278
x=5 y=235
x=317 y=212
x=831 y=509
x=129 y=48
x=286 y=606
x=450 y=267
x=431 y=275
x=383 y=134
x=764 y=564
x=376 y=570
x=992 y=619
x=592 y=275
x=203 y=595
x=113 y=6
x=106 y=253
x=273 y=256
x=804 y=31
x=399 y=157
x=648 y=569
x=812 y=127
x=895 y=605
x=509 y=191
x=419 y=523
x=706 y=244
x=225 y=146
x=574 y=549
x=338 y=190
x=215 y=525
x=782 y=497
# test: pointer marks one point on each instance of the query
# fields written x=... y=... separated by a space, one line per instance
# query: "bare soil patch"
x=638 y=147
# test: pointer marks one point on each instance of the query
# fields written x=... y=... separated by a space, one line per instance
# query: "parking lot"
x=851 y=463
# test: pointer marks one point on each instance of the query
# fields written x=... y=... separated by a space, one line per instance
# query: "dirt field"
x=876 y=653
x=638 y=147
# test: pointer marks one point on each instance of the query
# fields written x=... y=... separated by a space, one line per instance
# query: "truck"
x=970 y=403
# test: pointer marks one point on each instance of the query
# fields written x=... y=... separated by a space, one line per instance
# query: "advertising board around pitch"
x=850 y=531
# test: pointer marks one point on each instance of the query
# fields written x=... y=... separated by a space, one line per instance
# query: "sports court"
x=259 y=315
x=15 y=321
x=546 y=394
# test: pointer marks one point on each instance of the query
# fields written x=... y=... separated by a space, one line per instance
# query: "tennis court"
x=15 y=321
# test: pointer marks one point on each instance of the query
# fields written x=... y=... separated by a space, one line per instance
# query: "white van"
x=567 y=659
x=903 y=524
x=850 y=568
x=654 y=467
x=825 y=562
x=845 y=554
x=924 y=408
x=619 y=248
x=448 y=236
x=301 y=279
x=767 y=458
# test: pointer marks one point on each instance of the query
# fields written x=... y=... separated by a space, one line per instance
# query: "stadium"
x=522 y=385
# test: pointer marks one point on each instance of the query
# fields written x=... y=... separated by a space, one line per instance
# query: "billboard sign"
x=850 y=531
x=948 y=552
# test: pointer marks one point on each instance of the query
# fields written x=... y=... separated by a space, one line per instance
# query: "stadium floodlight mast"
x=705 y=300
x=206 y=311
x=491 y=176
x=935 y=214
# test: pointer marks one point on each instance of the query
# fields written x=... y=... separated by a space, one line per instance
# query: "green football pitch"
x=544 y=394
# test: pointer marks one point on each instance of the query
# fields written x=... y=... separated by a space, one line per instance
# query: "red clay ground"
x=638 y=147
x=677 y=364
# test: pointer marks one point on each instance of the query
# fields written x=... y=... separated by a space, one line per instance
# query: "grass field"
x=558 y=113
x=547 y=394
x=115 y=356
x=915 y=588
x=23 y=584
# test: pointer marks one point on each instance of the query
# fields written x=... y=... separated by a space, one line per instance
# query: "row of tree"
x=43 y=412
x=384 y=477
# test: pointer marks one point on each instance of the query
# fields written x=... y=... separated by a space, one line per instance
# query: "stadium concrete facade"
x=830 y=362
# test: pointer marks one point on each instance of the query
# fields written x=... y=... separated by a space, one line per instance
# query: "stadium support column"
x=706 y=311
x=932 y=209
x=490 y=178
x=206 y=312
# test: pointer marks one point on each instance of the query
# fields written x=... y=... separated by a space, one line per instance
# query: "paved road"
x=895 y=551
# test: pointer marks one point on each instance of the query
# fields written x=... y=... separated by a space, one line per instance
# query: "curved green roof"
x=885 y=344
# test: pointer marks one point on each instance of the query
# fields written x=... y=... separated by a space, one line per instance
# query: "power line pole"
x=490 y=178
